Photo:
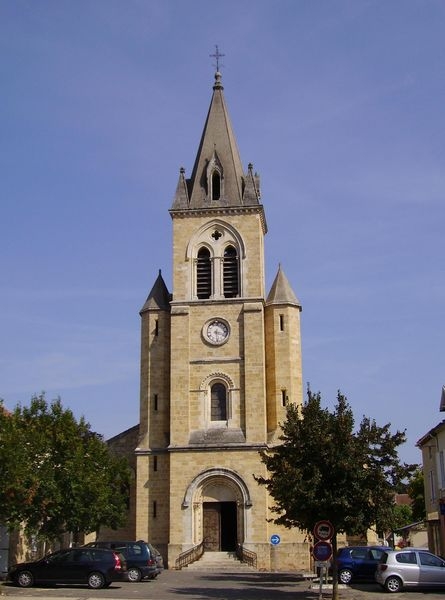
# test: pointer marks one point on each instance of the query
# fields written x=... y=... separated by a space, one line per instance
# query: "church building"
x=220 y=360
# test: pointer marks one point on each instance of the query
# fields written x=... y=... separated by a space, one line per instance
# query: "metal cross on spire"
x=217 y=55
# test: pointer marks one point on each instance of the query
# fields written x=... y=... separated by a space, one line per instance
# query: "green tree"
x=324 y=469
x=402 y=516
x=63 y=478
x=416 y=492
x=13 y=470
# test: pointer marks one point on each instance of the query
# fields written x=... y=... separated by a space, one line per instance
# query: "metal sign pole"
x=320 y=591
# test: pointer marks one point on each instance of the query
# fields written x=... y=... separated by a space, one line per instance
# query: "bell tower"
x=219 y=362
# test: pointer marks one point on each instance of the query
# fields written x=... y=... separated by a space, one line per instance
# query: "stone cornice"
x=182 y=213
x=217 y=448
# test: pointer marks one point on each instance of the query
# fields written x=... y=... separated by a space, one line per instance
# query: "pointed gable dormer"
x=217 y=179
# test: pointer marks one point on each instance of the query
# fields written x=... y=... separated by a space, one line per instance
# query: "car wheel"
x=393 y=584
x=96 y=580
x=345 y=576
x=24 y=579
x=134 y=575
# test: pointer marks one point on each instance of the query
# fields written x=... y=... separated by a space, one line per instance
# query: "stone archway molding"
x=200 y=237
x=217 y=472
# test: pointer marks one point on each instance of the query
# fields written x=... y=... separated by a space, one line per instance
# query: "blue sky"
x=340 y=107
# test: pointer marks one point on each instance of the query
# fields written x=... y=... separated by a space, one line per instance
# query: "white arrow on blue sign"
x=275 y=539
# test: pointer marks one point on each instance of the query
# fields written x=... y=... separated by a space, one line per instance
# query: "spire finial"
x=217 y=55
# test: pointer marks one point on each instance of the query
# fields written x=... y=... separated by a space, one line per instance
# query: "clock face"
x=217 y=331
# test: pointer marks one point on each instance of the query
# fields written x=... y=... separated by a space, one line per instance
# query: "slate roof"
x=281 y=291
x=159 y=296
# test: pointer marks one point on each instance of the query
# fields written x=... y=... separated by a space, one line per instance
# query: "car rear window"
x=135 y=550
x=407 y=558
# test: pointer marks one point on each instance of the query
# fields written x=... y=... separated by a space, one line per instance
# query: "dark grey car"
x=141 y=557
x=97 y=567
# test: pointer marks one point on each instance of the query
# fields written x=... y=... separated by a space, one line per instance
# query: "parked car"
x=96 y=567
x=158 y=558
x=358 y=562
x=141 y=558
x=410 y=568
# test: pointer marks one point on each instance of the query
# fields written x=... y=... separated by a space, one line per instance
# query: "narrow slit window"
x=155 y=403
x=216 y=185
x=155 y=463
x=218 y=402
x=284 y=397
x=230 y=273
x=281 y=322
x=156 y=327
x=155 y=509
x=203 y=274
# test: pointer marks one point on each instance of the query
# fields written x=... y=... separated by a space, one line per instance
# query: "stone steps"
x=219 y=562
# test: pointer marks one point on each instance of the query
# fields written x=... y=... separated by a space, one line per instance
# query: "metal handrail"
x=246 y=556
x=189 y=556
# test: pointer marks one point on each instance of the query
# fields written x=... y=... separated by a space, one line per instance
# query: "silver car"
x=411 y=567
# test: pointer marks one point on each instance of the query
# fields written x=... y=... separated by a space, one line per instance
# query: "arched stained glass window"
x=230 y=273
x=203 y=274
x=218 y=402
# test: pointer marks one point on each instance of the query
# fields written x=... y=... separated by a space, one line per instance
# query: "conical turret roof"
x=281 y=291
x=159 y=296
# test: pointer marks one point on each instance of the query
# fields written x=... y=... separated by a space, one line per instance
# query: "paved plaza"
x=196 y=585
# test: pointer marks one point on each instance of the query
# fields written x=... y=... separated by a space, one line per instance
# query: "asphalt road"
x=195 y=585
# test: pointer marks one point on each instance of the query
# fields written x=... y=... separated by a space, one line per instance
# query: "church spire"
x=217 y=179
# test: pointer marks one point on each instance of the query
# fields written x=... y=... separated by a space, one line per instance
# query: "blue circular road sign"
x=322 y=551
x=275 y=539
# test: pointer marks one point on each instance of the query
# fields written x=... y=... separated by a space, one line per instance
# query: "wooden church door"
x=220 y=526
x=212 y=526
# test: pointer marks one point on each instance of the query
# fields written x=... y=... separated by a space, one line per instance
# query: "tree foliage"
x=57 y=475
x=325 y=469
x=416 y=492
x=402 y=516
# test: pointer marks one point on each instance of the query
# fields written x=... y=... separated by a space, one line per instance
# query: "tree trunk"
x=334 y=568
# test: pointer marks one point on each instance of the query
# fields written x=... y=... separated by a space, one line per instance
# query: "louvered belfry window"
x=230 y=273
x=218 y=403
x=203 y=274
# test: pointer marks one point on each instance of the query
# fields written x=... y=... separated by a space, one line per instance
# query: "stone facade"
x=219 y=363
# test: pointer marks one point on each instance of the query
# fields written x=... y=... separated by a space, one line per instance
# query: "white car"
x=410 y=568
